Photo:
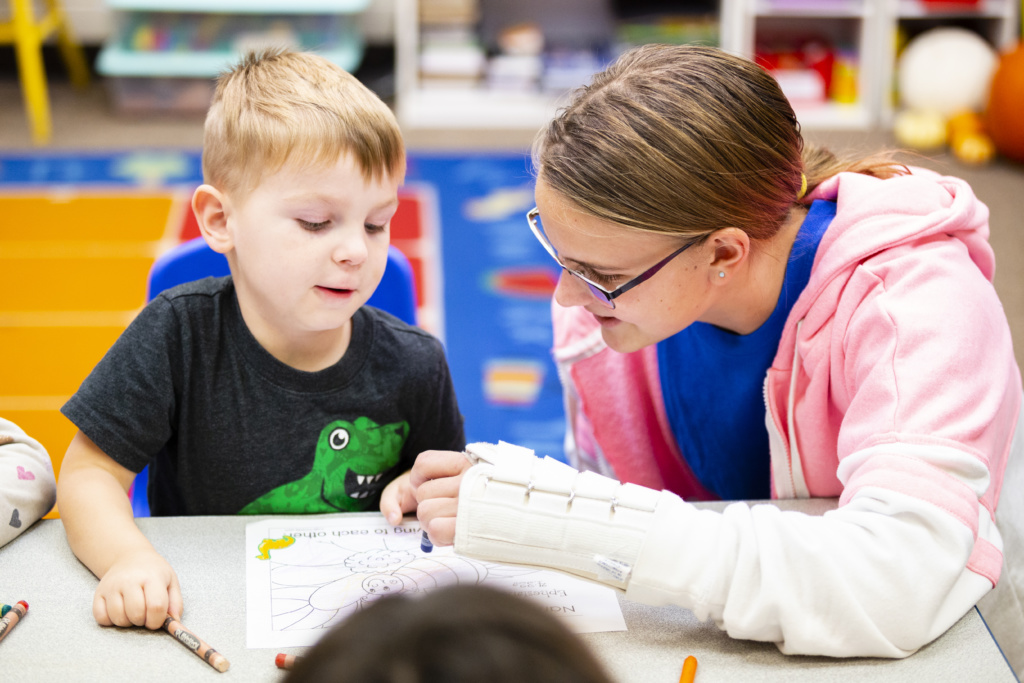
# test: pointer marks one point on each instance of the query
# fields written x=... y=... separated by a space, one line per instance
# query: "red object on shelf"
x=804 y=73
x=821 y=58
x=945 y=4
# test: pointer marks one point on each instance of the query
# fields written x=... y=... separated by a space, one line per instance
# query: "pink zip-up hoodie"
x=894 y=388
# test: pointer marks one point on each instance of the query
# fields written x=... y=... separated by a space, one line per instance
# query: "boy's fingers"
x=390 y=507
x=174 y=605
x=134 y=601
x=397 y=499
x=99 y=610
x=115 y=610
x=395 y=507
x=157 y=604
x=406 y=498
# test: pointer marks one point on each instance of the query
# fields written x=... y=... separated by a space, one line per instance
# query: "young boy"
x=273 y=390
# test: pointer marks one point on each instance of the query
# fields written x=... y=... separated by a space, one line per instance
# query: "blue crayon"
x=4 y=610
x=425 y=544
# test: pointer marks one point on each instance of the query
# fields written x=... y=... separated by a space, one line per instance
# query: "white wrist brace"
x=515 y=507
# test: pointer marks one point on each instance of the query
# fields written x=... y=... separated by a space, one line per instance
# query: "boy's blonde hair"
x=278 y=106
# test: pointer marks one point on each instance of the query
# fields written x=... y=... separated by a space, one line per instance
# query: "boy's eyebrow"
x=327 y=199
x=309 y=196
x=387 y=205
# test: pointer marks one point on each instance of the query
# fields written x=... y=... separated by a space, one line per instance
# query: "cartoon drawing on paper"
x=345 y=579
x=268 y=544
x=304 y=575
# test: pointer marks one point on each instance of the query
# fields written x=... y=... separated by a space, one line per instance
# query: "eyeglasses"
x=605 y=297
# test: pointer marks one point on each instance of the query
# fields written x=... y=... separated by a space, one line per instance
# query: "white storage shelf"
x=475 y=109
x=869 y=25
x=454 y=108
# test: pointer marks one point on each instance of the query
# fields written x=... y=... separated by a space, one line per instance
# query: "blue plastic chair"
x=194 y=260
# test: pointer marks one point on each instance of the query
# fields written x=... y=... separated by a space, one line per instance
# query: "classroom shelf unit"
x=995 y=20
x=748 y=25
x=419 y=107
x=876 y=27
x=865 y=33
x=165 y=53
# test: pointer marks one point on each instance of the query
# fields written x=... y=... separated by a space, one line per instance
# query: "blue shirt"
x=713 y=382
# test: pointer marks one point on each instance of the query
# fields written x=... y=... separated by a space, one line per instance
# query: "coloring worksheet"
x=305 y=575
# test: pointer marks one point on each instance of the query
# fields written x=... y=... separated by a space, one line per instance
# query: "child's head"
x=278 y=106
x=302 y=166
x=459 y=634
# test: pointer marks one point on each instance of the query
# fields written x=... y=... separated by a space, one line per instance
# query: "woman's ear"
x=730 y=248
x=212 y=209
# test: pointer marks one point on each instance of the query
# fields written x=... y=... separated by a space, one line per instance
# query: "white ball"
x=946 y=70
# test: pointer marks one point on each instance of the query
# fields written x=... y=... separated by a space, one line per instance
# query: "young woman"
x=742 y=316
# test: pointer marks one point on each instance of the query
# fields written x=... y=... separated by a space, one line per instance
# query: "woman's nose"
x=571 y=291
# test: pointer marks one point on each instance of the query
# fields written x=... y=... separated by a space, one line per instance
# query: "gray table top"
x=60 y=640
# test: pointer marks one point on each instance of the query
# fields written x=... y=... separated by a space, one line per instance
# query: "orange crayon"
x=284 y=661
x=196 y=644
x=14 y=615
x=689 y=670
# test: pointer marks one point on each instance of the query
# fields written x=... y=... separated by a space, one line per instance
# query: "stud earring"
x=721 y=273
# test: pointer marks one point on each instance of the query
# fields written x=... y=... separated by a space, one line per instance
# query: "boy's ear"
x=212 y=208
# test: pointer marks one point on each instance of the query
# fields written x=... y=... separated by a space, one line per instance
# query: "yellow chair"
x=27 y=34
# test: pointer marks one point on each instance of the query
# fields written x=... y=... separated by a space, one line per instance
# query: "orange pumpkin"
x=1005 y=114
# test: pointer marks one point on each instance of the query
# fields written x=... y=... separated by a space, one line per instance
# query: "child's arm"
x=137 y=585
x=438 y=428
x=27 y=488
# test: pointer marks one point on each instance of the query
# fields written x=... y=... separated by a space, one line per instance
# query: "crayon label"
x=187 y=639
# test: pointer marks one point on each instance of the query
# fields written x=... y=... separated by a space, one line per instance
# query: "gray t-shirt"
x=227 y=428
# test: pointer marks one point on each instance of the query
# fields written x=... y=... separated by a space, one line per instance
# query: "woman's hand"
x=435 y=477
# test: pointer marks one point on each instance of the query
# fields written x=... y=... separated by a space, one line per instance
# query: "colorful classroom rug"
x=78 y=233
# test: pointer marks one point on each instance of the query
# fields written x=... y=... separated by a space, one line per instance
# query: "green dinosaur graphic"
x=353 y=463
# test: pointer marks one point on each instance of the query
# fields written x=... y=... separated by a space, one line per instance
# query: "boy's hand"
x=139 y=589
x=435 y=478
x=397 y=498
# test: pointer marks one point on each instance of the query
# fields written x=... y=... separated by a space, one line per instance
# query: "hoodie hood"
x=874 y=215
